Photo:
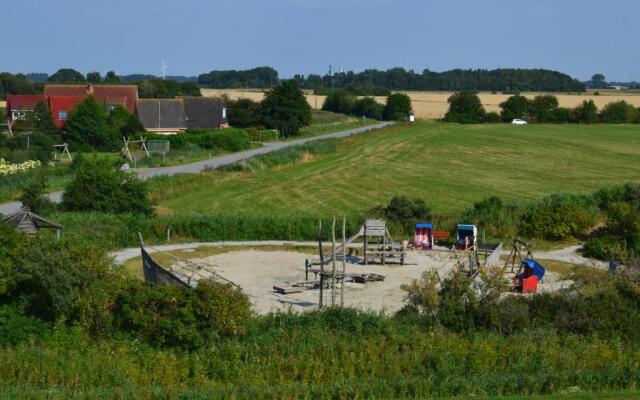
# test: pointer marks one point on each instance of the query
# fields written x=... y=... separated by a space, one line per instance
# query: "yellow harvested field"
x=433 y=105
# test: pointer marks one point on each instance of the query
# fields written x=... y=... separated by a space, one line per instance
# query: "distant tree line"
x=261 y=77
x=466 y=107
x=371 y=81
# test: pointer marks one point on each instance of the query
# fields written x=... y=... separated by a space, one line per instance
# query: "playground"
x=357 y=272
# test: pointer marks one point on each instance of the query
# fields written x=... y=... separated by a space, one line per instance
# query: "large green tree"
x=286 y=109
x=465 y=108
x=398 y=107
x=88 y=127
x=124 y=124
x=243 y=113
x=100 y=186
x=598 y=81
x=67 y=75
x=515 y=107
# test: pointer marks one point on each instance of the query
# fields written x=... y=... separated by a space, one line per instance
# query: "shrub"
x=100 y=186
x=34 y=196
x=243 y=113
x=543 y=108
x=586 y=113
x=406 y=213
x=496 y=218
x=619 y=112
x=515 y=107
x=180 y=317
x=492 y=118
x=340 y=101
x=557 y=217
x=369 y=108
x=398 y=107
x=465 y=108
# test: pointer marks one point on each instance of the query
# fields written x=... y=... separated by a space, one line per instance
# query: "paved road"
x=198 y=166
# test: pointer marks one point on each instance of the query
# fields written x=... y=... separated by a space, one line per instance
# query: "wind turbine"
x=163 y=69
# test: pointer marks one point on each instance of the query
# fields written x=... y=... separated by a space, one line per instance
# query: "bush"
x=369 y=108
x=341 y=101
x=398 y=107
x=34 y=196
x=406 y=213
x=492 y=118
x=465 y=108
x=243 y=113
x=515 y=107
x=557 y=217
x=619 y=112
x=101 y=186
x=586 y=113
x=180 y=317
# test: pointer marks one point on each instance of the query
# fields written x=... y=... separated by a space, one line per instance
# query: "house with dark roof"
x=205 y=113
x=163 y=116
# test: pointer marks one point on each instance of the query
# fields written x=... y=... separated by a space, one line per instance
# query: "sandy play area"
x=258 y=271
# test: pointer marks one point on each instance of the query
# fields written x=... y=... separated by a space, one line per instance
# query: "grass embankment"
x=450 y=166
x=327 y=122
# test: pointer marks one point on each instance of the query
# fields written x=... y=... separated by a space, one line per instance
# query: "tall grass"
x=334 y=354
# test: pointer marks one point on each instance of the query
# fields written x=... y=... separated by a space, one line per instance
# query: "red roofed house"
x=62 y=98
x=111 y=95
x=18 y=106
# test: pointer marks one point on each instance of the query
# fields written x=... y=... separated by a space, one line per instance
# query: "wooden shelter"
x=27 y=222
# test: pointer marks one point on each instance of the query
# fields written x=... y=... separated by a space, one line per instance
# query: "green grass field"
x=450 y=166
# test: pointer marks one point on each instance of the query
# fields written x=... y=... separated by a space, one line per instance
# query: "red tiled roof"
x=62 y=103
x=125 y=95
x=23 y=102
x=66 y=90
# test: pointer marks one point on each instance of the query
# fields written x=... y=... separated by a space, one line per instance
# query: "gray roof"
x=26 y=221
x=204 y=113
x=161 y=114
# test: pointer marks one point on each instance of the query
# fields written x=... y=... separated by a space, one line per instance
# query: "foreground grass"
x=450 y=166
x=330 y=355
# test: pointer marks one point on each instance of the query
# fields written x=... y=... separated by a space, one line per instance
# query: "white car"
x=518 y=122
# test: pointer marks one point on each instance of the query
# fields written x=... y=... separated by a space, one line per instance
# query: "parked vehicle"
x=518 y=122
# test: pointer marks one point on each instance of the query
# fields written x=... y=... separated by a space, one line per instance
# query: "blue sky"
x=579 y=37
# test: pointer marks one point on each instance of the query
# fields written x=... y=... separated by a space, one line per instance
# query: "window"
x=224 y=113
x=62 y=115
x=18 y=115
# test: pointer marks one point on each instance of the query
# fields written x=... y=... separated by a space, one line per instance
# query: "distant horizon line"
x=159 y=76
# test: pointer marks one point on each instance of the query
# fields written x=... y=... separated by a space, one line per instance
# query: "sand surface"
x=258 y=271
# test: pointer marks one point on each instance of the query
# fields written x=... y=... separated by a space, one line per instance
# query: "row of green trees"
x=398 y=106
x=466 y=107
x=370 y=81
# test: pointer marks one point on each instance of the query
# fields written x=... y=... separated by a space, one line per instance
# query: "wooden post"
x=333 y=267
x=366 y=245
x=344 y=258
x=169 y=233
x=321 y=262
